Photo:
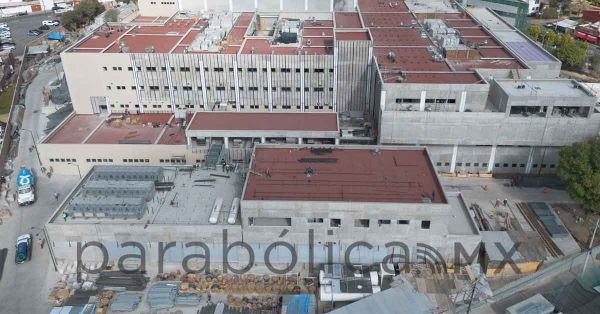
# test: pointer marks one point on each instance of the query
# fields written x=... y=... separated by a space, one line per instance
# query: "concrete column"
x=335 y=78
x=490 y=167
x=302 y=92
x=355 y=4
x=170 y=82
x=269 y=86
x=205 y=5
x=331 y=5
x=256 y=4
x=230 y=5
x=529 y=160
x=280 y=5
x=305 y=5
x=263 y=140
x=422 y=103
x=382 y=100
x=463 y=101
x=203 y=82
x=337 y=141
x=453 y=163
x=188 y=140
x=300 y=140
x=237 y=86
x=226 y=141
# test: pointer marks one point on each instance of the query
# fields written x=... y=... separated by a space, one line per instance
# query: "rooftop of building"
x=239 y=121
x=188 y=198
x=483 y=40
x=349 y=174
x=154 y=128
x=546 y=88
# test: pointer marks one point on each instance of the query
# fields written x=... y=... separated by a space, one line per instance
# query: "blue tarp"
x=296 y=303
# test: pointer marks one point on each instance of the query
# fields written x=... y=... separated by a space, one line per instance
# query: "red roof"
x=347 y=20
x=382 y=6
x=398 y=37
x=343 y=175
x=409 y=59
x=388 y=19
x=352 y=36
x=238 y=121
x=435 y=78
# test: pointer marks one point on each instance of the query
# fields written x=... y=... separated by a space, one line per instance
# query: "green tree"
x=534 y=32
x=579 y=168
x=111 y=15
x=571 y=52
x=550 y=38
x=83 y=13
x=71 y=20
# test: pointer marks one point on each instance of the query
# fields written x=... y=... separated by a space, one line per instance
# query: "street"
x=24 y=287
x=20 y=25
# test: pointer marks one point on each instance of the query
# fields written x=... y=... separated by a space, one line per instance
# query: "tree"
x=579 y=168
x=83 y=13
x=534 y=32
x=89 y=8
x=571 y=52
x=111 y=15
x=71 y=20
x=550 y=38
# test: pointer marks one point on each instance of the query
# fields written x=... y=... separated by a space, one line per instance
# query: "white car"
x=4 y=25
x=4 y=28
x=50 y=22
x=4 y=36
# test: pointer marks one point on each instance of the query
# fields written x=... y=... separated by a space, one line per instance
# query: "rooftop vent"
x=391 y=56
x=309 y=172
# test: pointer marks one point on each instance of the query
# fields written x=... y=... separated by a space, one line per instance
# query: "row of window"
x=63 y=160
x=125 y=160
x=220 y=88
x=218 y=69
x=496 y=165
x=427 y=101
x=365 y=223
x=317 y=106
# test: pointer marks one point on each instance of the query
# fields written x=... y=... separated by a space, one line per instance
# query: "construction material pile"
x=126 y=302
x=253 y=304
x=120 y=281
x=241 y=284
x=162 y=295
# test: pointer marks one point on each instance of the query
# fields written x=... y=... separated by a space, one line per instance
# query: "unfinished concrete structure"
x=325 y=199
x=393 y=72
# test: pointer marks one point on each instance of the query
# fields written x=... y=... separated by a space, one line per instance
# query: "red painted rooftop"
x=153 y=128
x=352 y=35
x=434 y=78
x=347 y=20
x=388 y=19
x=349 y=175
x=382 y=6
x=398 y=37
x=222 y=121
x=409 y=59
x=470 y=65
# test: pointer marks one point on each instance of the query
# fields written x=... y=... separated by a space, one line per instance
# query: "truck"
x=25 y=187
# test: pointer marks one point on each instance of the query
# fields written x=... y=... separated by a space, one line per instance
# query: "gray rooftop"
x=545 y=88
x=189 y=201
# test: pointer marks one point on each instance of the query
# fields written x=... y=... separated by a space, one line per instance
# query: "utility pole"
x=587 y=256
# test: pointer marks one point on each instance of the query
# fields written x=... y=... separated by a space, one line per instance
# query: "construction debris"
x=126 y=301
x=115 y=279
x=162 y=295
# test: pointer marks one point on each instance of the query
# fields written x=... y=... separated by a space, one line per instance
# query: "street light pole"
x=587 y=256
x=78 y=169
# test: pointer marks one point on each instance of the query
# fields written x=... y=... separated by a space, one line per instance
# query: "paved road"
x=24 y=288
x=20 y=25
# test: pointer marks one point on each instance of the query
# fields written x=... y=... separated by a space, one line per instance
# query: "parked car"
x=24 y=248
x=50 y=22
x=44 y=28
x=22 y=13
x=5 y=36
x=3 y=25
x=4 y=28
x=33 y=32
x=5 y=33
x=8 y=46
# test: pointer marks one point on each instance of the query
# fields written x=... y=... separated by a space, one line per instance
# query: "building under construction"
x=197 y=76
x=322 y=200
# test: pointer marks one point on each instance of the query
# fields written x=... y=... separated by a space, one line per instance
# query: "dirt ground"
x=582 y=231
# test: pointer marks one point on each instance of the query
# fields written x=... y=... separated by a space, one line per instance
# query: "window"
x=133 y=88
x=153 y=87
x=286 y=70
x=476 y=164
x=514 y=165
x=218 y=69
x=403 y=222
x=425 y=224
x=188 y=88
x=522 y=165
x=485 y=164
x=319 y=70
x=184 y=69
x=108 y=87
x=505 y=165
x=318 y=89
x=384 y=222
x=153 y=69
x=232 y=88
x=361 y=223
x=253 y=88
x=314 y=220
x=535 y=165
x=446 y=164
x=114 y=68
x=129 y=68
x=335 y=222
x=105 y=68
x=439 y=164
x=286 y=89
x=297 y=70
x=220 y=88
x=468 y=164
